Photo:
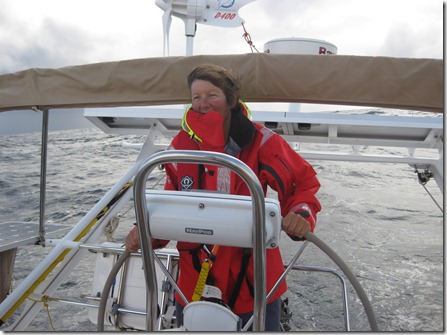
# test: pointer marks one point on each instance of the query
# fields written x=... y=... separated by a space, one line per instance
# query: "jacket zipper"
x=286 y=167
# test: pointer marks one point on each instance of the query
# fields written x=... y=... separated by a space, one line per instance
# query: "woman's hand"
x=295 y=225
x=132 y=240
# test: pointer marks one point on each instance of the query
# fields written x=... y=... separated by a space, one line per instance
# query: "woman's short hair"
x=226 y=79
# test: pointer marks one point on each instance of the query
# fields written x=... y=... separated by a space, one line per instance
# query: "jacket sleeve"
x=291 y=176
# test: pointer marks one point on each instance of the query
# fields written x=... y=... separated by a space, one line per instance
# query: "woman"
x=218 y=120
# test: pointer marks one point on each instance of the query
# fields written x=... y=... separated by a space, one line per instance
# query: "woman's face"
x=206 y=97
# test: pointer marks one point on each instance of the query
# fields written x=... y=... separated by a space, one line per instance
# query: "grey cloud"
x=53 y=44
x=403 y=40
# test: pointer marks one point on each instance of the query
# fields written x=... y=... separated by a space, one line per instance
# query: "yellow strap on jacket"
x=203 y=275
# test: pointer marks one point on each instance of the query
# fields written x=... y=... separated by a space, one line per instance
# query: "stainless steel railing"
x=259 y=250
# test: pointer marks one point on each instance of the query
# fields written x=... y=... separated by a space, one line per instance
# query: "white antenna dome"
x=299 y=45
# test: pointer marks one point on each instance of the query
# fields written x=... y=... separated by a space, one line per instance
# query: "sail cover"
x=414 y=84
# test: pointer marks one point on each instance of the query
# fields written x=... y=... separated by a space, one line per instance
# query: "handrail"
x=257 y=194
x=43 y=173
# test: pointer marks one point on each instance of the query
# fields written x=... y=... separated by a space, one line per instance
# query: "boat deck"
x=15 y=234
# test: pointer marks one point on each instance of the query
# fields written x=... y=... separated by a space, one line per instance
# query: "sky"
x=55 y=33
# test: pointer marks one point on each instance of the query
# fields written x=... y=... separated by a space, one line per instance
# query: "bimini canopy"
x=414 y=84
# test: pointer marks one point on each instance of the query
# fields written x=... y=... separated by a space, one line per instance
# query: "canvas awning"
x=414 y=84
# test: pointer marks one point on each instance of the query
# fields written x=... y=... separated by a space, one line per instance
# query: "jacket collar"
x=242 y=132
x=200 y=128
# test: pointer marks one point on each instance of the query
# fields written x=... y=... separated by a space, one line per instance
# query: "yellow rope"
x=45 y=300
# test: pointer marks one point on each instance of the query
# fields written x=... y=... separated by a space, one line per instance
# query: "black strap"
x=195 y=258
x=250 y=287
x=201 y=170
x=240 y=278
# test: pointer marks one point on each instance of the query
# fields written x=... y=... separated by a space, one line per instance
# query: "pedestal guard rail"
x=259 y=251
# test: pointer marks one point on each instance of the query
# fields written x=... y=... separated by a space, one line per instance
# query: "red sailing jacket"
x=276 y=165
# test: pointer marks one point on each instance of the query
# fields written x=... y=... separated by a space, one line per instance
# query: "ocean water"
x=377 y=217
